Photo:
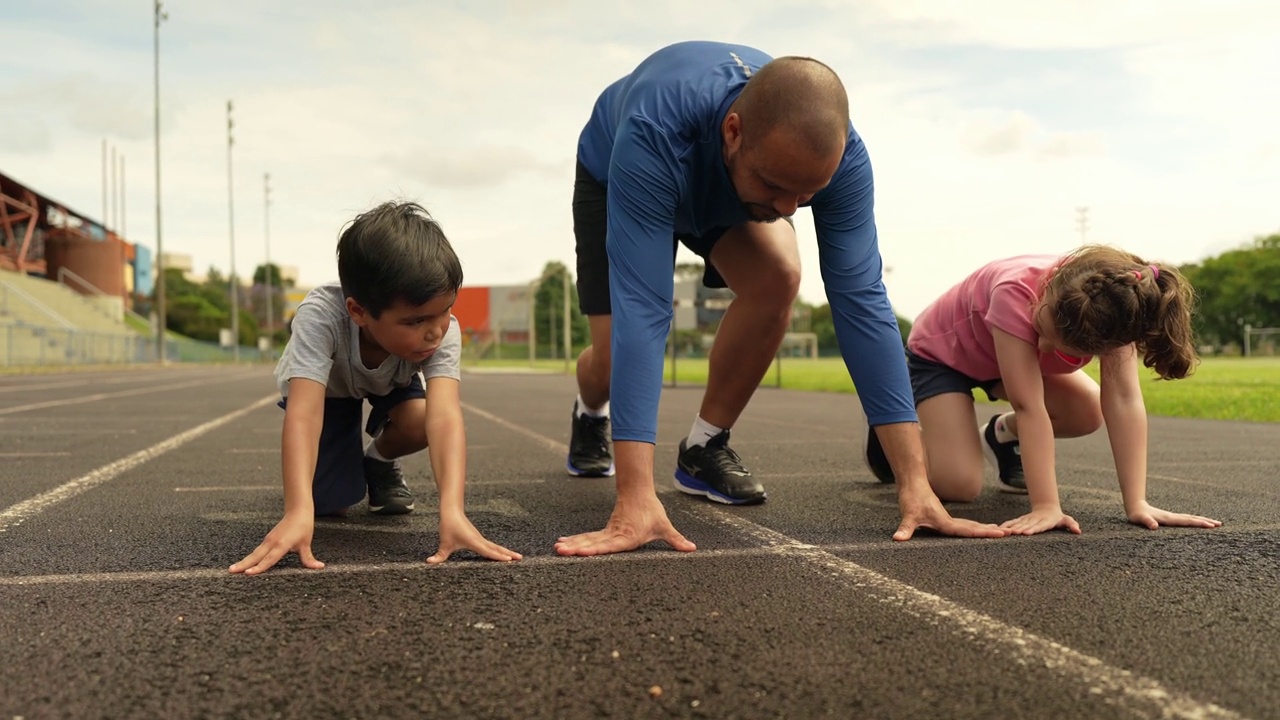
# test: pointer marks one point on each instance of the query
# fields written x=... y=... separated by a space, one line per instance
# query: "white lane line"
x=87 y=431
x=1136 y=693
x=554 y=446
x=33 y=454
x=1126 y=689
x=356 y=568
x=647 y=555
x=1161 y=476
x=108 y=396
x=228 y=488
x=45 y=386
x=26 y=509
x=116 y=380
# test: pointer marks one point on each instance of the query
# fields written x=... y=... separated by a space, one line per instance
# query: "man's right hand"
x=634 y=522
x=638 y=516
x=291 y=534
x=923 y=510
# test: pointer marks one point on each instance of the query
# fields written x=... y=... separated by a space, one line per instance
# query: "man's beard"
x=760 y=213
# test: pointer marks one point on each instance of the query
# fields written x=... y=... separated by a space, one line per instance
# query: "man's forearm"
x=634 y=465
x=905 y=451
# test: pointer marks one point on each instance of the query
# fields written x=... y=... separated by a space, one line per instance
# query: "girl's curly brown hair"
x=1105 y=298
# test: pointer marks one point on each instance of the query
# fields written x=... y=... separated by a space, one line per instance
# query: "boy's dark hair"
x=396 y=252
x=1107 y=298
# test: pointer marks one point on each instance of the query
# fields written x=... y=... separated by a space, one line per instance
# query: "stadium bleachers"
x=46 y=323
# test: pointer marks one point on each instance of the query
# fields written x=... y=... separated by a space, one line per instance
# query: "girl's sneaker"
x=1006 y=457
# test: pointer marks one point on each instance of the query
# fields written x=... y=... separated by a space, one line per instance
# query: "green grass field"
x=1220 y=389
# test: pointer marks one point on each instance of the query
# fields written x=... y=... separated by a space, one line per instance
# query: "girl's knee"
x=1082 y=421
x=957 y=488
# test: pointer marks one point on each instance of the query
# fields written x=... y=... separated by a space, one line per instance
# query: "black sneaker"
x=716 y=471
x=590 y=446
x=388 y=494
x=876 y=459
x=1006 y=457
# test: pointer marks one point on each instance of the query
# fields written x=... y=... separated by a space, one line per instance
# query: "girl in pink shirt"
x=1021 y=329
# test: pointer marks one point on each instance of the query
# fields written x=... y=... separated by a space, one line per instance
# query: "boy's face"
x=409 y=332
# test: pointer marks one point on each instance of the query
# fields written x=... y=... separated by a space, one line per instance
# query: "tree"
x=195 y=317
x=689 y=270
x=200 y=311
x=1238 y=287
x=260 y=276
x=548 y=303
x=259 y=295
x=824 y=326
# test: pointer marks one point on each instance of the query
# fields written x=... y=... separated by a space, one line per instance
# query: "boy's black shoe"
x=877 y=461
x=388 y=494
x=1006 y=457
x=590 y=446
x=716 y=471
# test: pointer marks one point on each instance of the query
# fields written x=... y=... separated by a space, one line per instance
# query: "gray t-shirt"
x=325 y=347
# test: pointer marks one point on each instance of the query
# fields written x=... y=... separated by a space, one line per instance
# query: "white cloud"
x=87 y=103
x=1010 y=133
x=988 y=122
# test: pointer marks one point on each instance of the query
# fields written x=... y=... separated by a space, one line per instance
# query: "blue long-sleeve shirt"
x=654 y=142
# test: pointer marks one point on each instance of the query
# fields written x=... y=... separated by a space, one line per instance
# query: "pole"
x=674 y=349
x=231 y=236
x=533 y=326
x=104 y=183
x=114 y=221
x=160 y=16
x=266 y=234
x=568 y=328
x=551 y=328
x=122 y=197
x=1082 y=223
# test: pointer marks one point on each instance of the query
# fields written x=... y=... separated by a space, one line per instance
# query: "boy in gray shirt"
x=374 y=336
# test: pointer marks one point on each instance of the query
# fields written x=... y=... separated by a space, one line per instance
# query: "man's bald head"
x=799 y=95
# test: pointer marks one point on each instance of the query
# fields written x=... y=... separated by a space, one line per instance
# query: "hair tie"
x=1155 y=272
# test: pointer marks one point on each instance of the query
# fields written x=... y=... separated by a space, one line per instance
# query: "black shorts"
x=590 y=228
x=339 y=479
x=929 y=379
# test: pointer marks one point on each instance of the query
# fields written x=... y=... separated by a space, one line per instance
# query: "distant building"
x=44 y=237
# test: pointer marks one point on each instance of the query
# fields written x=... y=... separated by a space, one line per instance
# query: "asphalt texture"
x=124 y=496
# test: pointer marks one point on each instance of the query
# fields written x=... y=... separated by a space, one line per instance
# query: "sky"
x=989 y=122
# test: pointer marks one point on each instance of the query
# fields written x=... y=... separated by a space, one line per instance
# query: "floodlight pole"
x=568 y=335
x=231 y=234
x=160 y=16
x=266 y=270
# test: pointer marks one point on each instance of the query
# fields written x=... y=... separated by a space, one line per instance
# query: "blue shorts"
x=929 y=379
x=339 y=480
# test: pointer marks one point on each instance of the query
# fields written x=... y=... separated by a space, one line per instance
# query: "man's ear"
x=731 y=131
x=358 y=314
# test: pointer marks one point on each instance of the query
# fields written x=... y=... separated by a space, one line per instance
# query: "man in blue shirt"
x=710 y=144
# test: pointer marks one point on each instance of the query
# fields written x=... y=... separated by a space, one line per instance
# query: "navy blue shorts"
x=590 y=225
x=929 y=379
x=339 y=480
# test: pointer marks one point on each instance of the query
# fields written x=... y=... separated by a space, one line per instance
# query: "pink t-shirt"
x=956 y=329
